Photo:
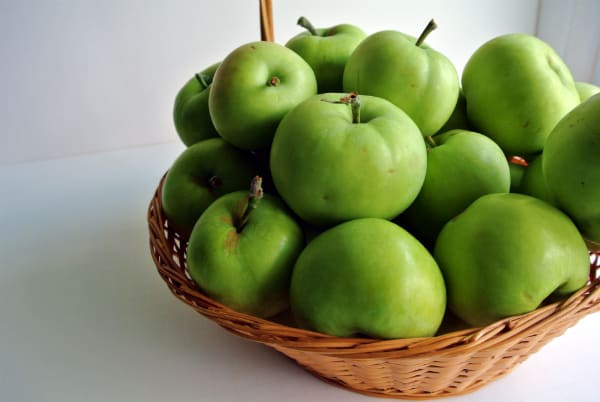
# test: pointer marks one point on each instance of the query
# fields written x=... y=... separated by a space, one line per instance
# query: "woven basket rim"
x=272 y=333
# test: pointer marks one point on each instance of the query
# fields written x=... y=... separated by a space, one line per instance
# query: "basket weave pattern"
x=453 y=363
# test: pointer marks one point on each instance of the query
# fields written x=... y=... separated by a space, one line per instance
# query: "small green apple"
x=242 y=251
x=253 y=88
x=200 y=174
x=408 y=73
x=586 y=90
x=533 y=182
x=458 y=119
x=368 y=277
x=517 y=166
x=517 y=89
x=506 y=254
x=461 y=167
x=571 y=166
x=333 y=163
x=190 y=112
x=326 y=50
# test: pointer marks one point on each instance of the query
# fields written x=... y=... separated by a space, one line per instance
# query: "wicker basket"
x=453 y=363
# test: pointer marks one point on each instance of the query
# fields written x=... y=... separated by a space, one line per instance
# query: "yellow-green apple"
x=506 y=254
x=242 y=251
x=533 y=182
x=253 y=88
x=333 y=162
x=571 y=166
x=517 y=166
x=404 y=70
x=326 y=50
x=461 y=167
x=586 y=90
x=458 y=119
x=517 y=88
x=190 y=112
x=368 y=277
x=200 y=174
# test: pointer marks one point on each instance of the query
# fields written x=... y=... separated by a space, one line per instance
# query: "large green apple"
x=368 y=277
x=517 y=89
x=461 y=167
x=586 y=90
x=506 y=254
x=200 y=174
x=253 y=88
x=190 y=112
x=333 y=162
x=242 y=251
x=571 y=166
x=327 y=50
x=405 y=71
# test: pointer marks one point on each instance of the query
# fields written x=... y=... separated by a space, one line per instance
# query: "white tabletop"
x=84 y=315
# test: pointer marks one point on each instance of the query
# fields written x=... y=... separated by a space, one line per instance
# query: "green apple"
x=408 y=73
x=571 y=166
x=533 y=182
x=368 y=277
x=586 y=90
x=517 y=166
x=461 y=167
x=332 y=162
x=458 y=119
x=253 y=88
x=200 y=174
x=190 y=112
x=326 y=50
x=517 y=89
x=242 y=251
x=506 y=254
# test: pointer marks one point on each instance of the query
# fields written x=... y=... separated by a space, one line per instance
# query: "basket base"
x=394 y=379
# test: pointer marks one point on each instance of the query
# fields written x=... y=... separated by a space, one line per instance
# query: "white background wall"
x=573 y=29
x=85 y=76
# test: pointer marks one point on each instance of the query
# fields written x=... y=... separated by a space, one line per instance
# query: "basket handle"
x=266 y=21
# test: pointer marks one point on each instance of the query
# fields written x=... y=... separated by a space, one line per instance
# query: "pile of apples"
x=357 y=182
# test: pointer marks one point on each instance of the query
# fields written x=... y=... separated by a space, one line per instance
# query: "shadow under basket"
x=449 y=364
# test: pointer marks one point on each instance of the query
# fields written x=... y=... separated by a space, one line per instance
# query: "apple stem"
x=306 y=24
x=204 y=79
x=355 y=105
x=249 y=203
x=353 y=100
x=518 y=160
x=274 y=81
x=430 y=142
x=430 y=27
